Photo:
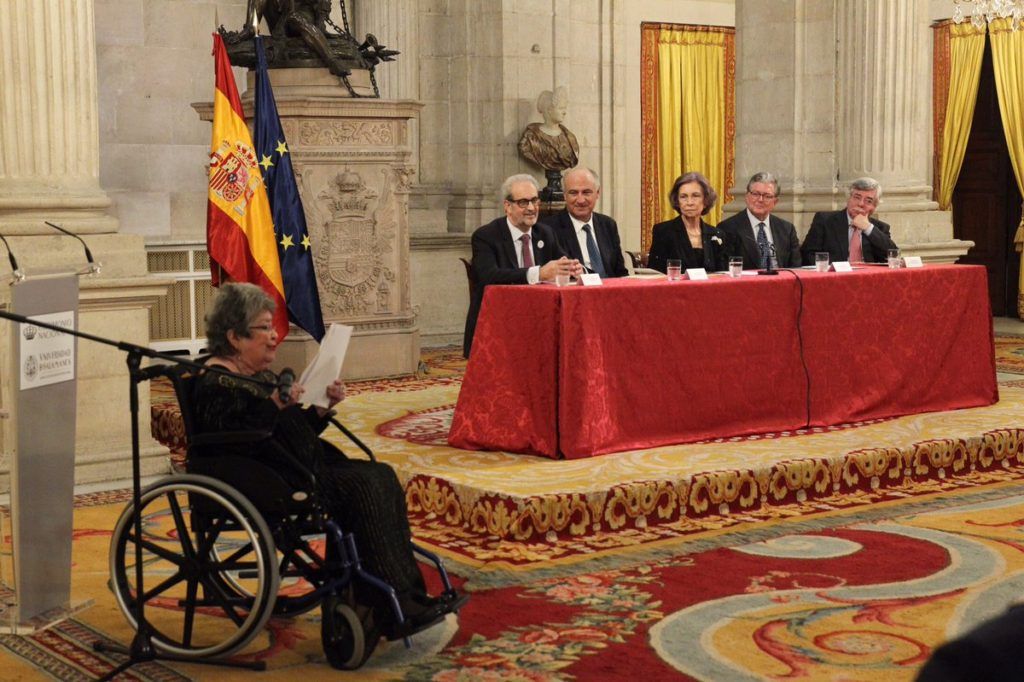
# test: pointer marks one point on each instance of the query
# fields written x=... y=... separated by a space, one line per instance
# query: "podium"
x=37 y=588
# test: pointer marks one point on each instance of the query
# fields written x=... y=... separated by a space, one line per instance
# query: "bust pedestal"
x=353 y=163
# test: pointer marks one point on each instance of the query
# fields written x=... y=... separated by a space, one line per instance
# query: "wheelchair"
x=230 y=543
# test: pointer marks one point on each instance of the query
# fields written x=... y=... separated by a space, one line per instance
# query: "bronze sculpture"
x=550 y=144
x=299 y=37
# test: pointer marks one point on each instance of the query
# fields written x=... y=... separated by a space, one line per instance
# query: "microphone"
x=93 y=265
x=284 y=384
x=15 y=270
x=770 y=270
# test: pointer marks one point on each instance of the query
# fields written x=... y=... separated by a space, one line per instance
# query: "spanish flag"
x=239 y=228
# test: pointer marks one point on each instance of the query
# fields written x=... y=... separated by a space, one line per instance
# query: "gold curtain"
x=1008 y=67
x=966 y=48
x=688 y=113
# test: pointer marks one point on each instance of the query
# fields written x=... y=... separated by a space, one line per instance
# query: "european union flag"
x=293 y=246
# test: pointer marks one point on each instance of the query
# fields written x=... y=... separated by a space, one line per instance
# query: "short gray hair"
x=235 y=308
x=584 y=169
x=506 y=187
x=866 y=184
x=765 y=177
x=710 y=195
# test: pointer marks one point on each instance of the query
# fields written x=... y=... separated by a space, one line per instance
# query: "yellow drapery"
x=966 y=48
x=1008 y=68
x=691 y=116
x=687 y=113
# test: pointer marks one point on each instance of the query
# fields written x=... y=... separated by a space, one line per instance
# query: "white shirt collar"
x=578 y=224
x=517 y=234
x=754 y=220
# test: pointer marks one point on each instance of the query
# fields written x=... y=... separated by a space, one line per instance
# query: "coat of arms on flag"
x=231 y=173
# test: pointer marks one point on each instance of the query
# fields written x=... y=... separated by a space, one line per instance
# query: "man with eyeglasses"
x=514 y=249
x=851 y=234
x=761 y=235
x=589 y=237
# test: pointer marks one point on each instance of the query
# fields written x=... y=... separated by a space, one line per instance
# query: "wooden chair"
x=470 y=276
x=639 y=258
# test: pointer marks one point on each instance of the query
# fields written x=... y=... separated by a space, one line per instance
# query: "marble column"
x=829 y=91
x=396 y=25
x=49 y=170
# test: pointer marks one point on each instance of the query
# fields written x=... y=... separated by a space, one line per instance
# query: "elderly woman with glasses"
x=687 y=237
x=364 y=497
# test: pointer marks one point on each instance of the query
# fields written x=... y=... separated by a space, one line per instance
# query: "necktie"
x=527 y=256
x=762 y=245
x=856 y=249
x=595 y=254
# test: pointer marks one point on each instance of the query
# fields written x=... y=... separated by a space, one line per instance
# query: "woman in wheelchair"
x=363 y=497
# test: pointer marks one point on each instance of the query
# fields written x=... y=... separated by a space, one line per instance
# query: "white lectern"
x=43 y=368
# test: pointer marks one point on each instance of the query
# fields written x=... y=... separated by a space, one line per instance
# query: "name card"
x=590 y=279
x=912 y=262
x=842 y=266
x=696 y=273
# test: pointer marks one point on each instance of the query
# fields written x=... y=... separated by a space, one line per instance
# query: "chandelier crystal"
x=980 y=12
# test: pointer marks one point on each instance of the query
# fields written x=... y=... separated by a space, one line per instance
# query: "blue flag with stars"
x=293 y=246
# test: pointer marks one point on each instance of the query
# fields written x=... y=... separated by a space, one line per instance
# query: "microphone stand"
x=770 y=270
x=141 y=649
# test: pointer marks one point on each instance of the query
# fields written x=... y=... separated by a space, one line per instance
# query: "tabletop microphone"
x=770 y=270
x=93 y=266
x=15 y=270
x=284 y=384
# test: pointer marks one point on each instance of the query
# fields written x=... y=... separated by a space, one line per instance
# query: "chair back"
x=470 y=276
x=638 y=258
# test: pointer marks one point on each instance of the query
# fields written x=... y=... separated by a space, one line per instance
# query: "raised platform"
x=497 y=512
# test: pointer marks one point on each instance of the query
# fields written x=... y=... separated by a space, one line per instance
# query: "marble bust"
x=550 y=144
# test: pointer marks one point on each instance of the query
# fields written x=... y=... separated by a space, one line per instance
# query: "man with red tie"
x=851 y=234
x=514 y=249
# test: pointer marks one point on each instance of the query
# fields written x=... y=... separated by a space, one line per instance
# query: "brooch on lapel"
x=716 y=239
x=540 y=244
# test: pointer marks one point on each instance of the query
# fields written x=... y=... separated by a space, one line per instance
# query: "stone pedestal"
x=353 y=162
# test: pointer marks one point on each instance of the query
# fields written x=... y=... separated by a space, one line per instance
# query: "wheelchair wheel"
x=297 y=583
x=198 y=535
x=348 y=639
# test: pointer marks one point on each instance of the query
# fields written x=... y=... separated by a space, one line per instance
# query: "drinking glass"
x=735 y=266
x=894 y=259
x=674 y=269
x=821 y=261
x=561 y=280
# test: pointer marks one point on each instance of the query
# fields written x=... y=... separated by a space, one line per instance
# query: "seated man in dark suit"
x=851 y=234
x=591 y=238
x=514 y=249
x=760 y=234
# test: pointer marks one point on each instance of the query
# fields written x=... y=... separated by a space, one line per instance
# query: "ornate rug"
x=1009 y=353
x=852 y=596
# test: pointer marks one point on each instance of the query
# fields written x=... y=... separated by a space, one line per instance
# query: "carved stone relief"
x=353 y=213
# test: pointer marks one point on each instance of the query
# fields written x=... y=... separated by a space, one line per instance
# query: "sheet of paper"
x=326 y=365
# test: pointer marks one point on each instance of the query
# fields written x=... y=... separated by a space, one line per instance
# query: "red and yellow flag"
x=239 y=228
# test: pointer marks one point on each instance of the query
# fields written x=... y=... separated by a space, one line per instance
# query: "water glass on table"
x=674 y=269
x=821 y=261
x=735 y=266
x=894 y=259
x=562 y=280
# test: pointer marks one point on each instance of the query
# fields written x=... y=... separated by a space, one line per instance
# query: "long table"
x=581 y=371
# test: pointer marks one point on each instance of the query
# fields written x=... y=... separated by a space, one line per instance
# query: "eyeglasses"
x=524 y=203
x=864 y=199
x=763 y=196
x=265 y=328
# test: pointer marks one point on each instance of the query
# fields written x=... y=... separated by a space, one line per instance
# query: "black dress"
x=364 y=497
x=669 y=240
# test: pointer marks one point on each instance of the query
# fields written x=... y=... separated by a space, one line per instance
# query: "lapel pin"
x=540 y=244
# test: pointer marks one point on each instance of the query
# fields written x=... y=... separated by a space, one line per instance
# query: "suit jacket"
x=988 y=653
x=495 y=262
x=829 y=230
x=669 y=240
x=606 y=233
x=787 y=244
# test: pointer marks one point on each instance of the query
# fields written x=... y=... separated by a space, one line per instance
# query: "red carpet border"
x=501 y=532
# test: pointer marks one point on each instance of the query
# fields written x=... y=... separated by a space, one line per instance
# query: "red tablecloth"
x=581 y=371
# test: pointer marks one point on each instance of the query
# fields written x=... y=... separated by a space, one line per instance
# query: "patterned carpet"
x=812 y=556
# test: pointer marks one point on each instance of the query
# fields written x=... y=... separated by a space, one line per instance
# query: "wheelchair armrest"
x=229 y=437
